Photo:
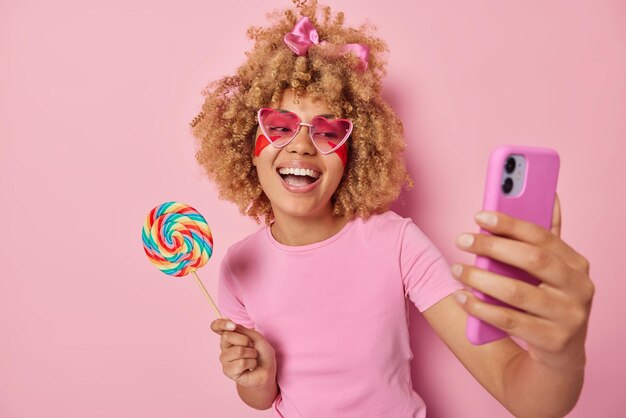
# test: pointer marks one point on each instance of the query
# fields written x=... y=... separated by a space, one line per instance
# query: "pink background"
x=95 y=102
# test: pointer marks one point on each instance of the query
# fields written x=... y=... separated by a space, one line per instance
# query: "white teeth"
x=299 y=172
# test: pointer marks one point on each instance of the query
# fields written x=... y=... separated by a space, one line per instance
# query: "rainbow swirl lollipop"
x=178 y=241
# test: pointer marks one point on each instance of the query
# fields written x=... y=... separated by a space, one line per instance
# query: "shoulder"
x=247 y=245
x=384 y=230
x=398 y=231
x=389 y=223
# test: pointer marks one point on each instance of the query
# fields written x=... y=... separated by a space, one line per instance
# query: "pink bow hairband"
x=303 y=35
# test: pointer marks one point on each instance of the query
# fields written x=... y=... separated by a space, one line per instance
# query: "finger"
x=556 y=217
x=251 y=333
x=234 y=369
x=538 y=262
x=231 y=338
x=544 y=302
x=532 y=329
x=520 y=230
x=237 y=352
x=223 y=324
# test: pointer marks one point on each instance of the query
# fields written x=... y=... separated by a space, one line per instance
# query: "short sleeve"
x=229 y=297
x=425 y=272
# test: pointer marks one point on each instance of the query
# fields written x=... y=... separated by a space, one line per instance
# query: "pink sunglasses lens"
x=278 y=126
x=328 y=134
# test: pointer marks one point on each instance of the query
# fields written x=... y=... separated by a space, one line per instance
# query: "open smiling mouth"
x=299 y=177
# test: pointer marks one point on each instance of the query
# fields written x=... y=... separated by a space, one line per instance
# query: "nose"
x=302 y=143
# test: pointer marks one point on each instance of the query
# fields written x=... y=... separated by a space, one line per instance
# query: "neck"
x=298 y=230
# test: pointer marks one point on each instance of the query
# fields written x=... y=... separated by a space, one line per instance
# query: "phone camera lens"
x=510 y=165
x=507 y=186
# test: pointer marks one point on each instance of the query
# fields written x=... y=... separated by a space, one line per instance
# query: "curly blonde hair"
x=226 y=126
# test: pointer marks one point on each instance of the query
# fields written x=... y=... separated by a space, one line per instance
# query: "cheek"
x=342 y=152
x=337 y=166
x=260 y=144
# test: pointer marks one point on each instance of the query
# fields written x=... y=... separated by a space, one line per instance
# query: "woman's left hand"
x=557 y=310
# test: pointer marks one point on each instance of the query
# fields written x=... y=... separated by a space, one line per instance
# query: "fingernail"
x=465 y=240
x=230 y=326
x=487 y=218
x=460 y=297
x=456 y=270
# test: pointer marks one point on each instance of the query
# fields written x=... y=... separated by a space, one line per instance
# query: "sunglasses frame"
x=300 y=125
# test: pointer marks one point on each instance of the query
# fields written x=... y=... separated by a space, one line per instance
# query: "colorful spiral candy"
x=177 y=239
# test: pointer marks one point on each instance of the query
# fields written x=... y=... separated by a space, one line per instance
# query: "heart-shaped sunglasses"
x=281 y=127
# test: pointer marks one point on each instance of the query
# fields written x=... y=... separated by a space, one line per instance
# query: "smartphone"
x=521 y=182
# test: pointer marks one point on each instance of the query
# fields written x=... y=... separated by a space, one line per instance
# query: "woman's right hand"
x=247 y=357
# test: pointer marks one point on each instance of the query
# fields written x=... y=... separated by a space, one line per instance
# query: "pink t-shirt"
x=336 y=313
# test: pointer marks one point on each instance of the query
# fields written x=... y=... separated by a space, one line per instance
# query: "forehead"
x=306 y=108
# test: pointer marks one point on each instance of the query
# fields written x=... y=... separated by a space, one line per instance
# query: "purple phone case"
x=535 y=203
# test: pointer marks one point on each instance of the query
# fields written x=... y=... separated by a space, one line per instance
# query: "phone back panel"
x=535 y=203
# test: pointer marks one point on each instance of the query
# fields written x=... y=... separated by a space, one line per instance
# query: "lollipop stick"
x=207 y=294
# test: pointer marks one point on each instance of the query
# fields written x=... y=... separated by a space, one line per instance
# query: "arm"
x=546 y=380
x=504 y=369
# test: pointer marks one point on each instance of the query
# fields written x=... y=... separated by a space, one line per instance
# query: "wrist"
x=260 y=396
x=554 y=385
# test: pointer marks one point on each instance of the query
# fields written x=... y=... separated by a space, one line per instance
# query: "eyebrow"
x=325 y=115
